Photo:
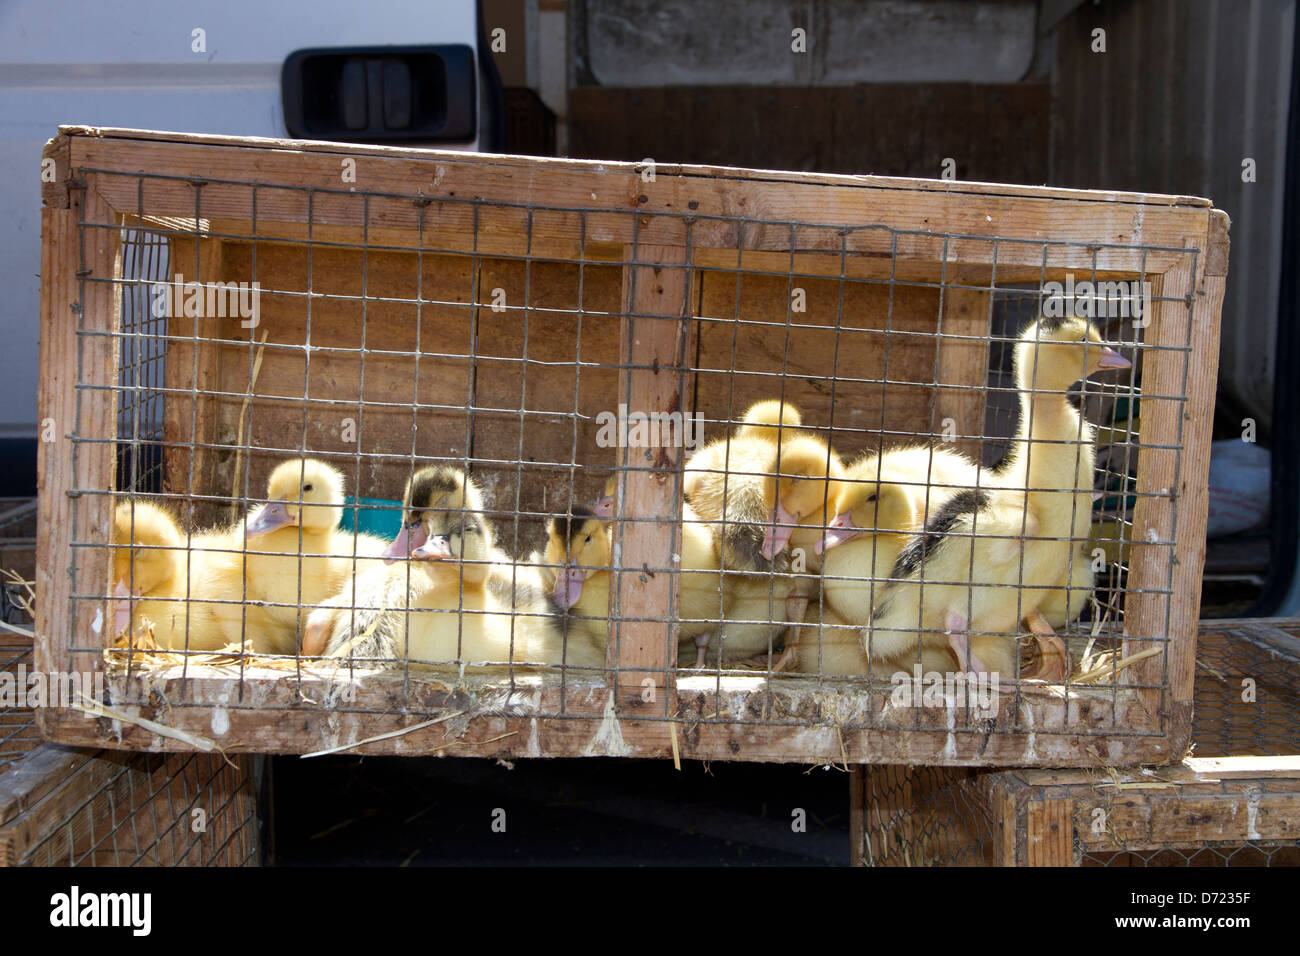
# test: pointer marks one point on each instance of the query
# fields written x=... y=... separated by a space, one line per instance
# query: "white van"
x=397 y=71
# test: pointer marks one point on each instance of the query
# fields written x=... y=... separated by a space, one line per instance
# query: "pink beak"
x=1112 y=359
x=269 y=517
x=568 y=586
x=604 y=508
x=837 y=532
x=121 y=608
x=434 y=549
x=777 y=534
x=410 y=537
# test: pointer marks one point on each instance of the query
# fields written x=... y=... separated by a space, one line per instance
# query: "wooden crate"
x=494 y=307
x=63 y=806
x=1236 y=802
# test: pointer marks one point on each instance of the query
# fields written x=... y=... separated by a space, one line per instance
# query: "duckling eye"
x=306 y=487
x=587 y=540
x=872 y=497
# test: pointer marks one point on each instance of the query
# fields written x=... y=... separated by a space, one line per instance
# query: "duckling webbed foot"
x=1054 y=659
x=701 y=649
x=959 y=641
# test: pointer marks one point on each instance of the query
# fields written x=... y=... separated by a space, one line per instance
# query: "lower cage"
x=65 y=806
x=71 y=807
x=1234 y=802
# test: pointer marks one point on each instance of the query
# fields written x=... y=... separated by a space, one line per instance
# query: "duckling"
x=154 y=580
x=604 y=506
x=439 y=609
x=579 y=548
x=873 y=520
x=770 y=496
x=767 y=512
x=296 y=555
x=989 y=558
x=830 y=645
x=768 y=421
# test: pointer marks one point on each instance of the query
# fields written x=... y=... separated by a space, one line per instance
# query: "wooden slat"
x=1169 y=515
x=190 y=427
x=618 y=214
x=654 y=333
x=800 y=708
x=57 y=411
x=526 y=164
x=857 y=811
x=1049 y=832
x=962 y=362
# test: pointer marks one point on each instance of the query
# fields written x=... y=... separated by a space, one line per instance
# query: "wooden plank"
x=192 y=371
x=1173 y=457
x=94 y=461
x=69 y=357
x=30 y=780
x=62 y=816
x=1006 y=818
x=963 y=362
x=1049 y=833
x=858 y=805
x=615 y=211
x=859 y=359
x=644 y=596
x=527 y=163
x=807 y=721
x=56 y=402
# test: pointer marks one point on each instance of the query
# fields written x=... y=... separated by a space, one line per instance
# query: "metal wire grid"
x=144 y=389
x=1246 y=698
x=149 y=810
x=18 y=731
x=145 y=264
x=950 y=826
x=938 y=816
x=1251 y=853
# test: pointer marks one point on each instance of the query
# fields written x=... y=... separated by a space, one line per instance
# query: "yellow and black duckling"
x=990 y=558
x=437 y=610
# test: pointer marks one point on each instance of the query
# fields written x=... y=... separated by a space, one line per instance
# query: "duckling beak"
x=436 y=548
x=604 y=508
x=269 y=517
x=777 y=534
x=568 y=586
x=837 y=532
x=1112 y=359
x=410 y=537
x=121 y=607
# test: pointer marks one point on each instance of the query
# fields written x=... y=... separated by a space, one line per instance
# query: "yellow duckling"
x=294 y=554
x=158 y=581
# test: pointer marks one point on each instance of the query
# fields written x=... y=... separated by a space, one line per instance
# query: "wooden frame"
x=662 y=228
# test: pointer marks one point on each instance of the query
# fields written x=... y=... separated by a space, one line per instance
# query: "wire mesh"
x=137 y=810
x=1246 y=705
x=247 y=345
